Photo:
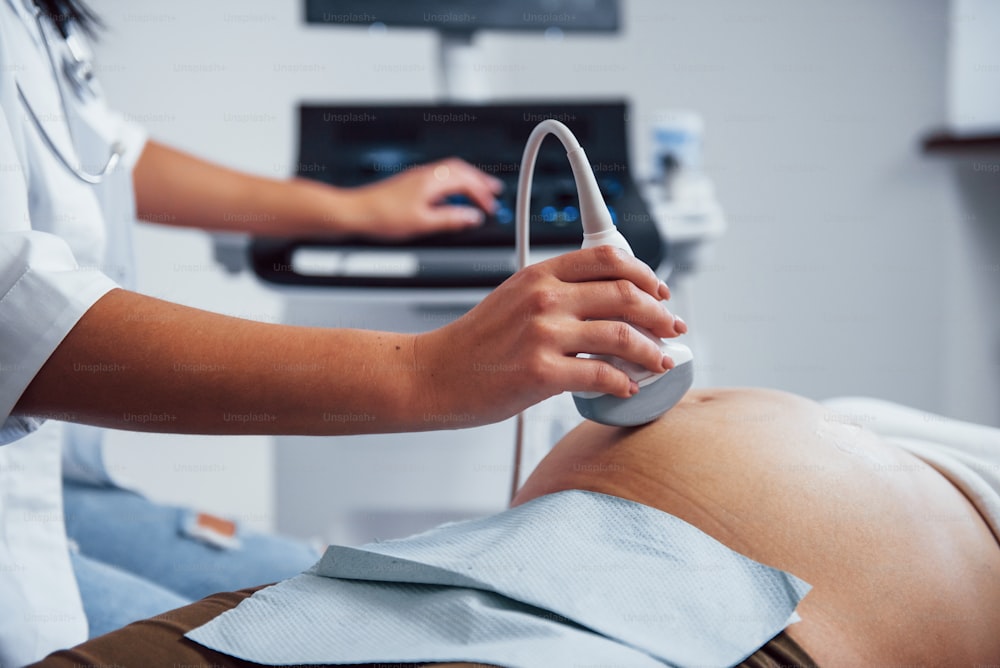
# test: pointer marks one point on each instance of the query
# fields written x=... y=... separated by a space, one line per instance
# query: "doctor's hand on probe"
x=520 y=344
x=217 y=198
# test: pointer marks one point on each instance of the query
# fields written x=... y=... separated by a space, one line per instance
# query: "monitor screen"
x=470 y=15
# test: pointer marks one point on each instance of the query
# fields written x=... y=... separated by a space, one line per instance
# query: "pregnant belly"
x=903 y=568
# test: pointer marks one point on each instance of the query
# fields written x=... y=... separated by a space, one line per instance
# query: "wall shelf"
x=943 y=142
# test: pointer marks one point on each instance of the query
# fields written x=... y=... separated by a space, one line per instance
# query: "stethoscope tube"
x=77 y=170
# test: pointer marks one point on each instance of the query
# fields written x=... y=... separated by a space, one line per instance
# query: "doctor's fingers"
x=456 y=176
x=441 y=218
x=579 y=374
x=622 y=300
x=611 y=337
x=605 y=263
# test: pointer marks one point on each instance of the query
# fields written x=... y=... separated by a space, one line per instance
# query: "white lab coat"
x=63 y=245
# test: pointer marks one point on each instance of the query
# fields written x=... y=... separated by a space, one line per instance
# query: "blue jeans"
x=136 y=558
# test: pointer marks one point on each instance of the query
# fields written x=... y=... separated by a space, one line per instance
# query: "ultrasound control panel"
x=357 y=144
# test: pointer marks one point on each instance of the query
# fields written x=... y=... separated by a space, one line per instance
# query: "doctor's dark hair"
x=63 y=12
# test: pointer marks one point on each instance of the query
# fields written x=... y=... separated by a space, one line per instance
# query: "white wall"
x=974 y=67
x=838 y=270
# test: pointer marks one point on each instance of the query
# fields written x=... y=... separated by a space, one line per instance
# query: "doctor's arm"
x=135 y=362
x=176 y=188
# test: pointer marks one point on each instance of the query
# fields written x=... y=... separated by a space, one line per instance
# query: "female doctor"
x=73 y=176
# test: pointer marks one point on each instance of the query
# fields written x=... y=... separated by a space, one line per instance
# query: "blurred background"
x=855 y=260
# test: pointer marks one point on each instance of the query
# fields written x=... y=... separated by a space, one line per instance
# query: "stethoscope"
x=80 y=73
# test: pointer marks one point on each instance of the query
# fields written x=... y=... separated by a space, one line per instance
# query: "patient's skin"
x=904 y=570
